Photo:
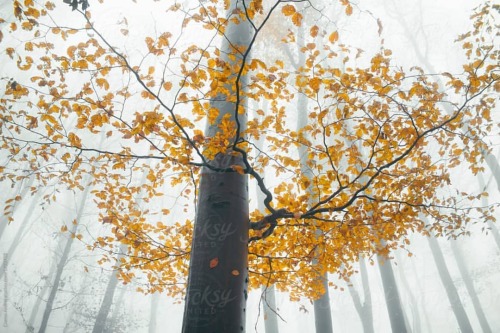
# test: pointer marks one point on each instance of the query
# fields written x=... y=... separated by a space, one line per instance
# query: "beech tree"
x=175 y=107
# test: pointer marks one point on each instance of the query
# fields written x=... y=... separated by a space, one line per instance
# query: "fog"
x=34 y=243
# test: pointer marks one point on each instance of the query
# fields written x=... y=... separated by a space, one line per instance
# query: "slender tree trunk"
x=34 y=310
x=391 y=293
x=17 y=238
x=62 y=263
x=153 y=313
x=451 y=290
x=469 y=284
x=268 y=292
x=416 y=327
x=118 y=305
x=323 y=312
x=364 y=309
x=22 y=191
x=484 y=201
x=102 y=315
x=322 y=309
x=269 y=305
x=218 y=274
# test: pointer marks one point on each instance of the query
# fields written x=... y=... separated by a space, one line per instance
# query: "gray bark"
x=364 y=309
x=107 y=301
x=218 y=277
x=269 y=305
x=484 y=201
x=153 y=313
x=416 y=327
x=391 y=293
x=22 y=191
x=62 y=263
x=451 y=290
x=469 y=284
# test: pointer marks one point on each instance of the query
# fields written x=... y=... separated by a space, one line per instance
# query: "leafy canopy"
x=375 y=155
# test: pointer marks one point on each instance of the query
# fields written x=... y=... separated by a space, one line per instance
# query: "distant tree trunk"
x=364 y=309
x=416 y=327
x=30 y=328
x=22 y=191
x=322 y=308
x=268 y=298
x=62 y=263
x=469 y=284
x=115 y=315
x=391 y=293
x=84 y=284
x=484 y=201
x=218 y=275
x=323 y=312
x=269 y=305
x=17 y=238
x=153 y=313
x=107 y=301
x=451 y=290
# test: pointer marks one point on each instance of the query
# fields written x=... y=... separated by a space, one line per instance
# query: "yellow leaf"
x=74 y=140
x=103 y=83
x=348 y=10
x=238 y=168
x=288 y=10
x=314 y=31
x=167 y=86
x=334 y=36
x=64 y=228
x=297 y=19
x=314 y=83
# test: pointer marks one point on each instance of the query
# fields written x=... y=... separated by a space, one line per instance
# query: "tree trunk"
x=17 y=238
x=364 y=309
x=269 y=305
x=22 y=191
x=451 y=290
x=218 y=273
x=107 y=301
x=484 y=201
x=268 y=292
x=323 y=312
x=217 y=284
x=153 y=313
x=391 y=293
x=469 y=284
x=416 y=327
x=62 y=263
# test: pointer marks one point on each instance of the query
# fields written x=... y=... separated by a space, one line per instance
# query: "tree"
x=70 y=81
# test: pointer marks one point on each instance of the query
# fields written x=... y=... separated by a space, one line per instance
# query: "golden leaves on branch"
x=289 y=10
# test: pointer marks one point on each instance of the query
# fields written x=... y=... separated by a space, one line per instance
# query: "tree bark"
x=62 y=263
x=107 y=301
x=391 y=293
x=484 y=201
x=364 y=309
x=218 y=273
x=218 y=278
x=451 y=290
x=469 y=284
x=269 y=305
x=153 y=313
x=323 y=311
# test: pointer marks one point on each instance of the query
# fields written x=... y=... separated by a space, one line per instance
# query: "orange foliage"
x=81 y=105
